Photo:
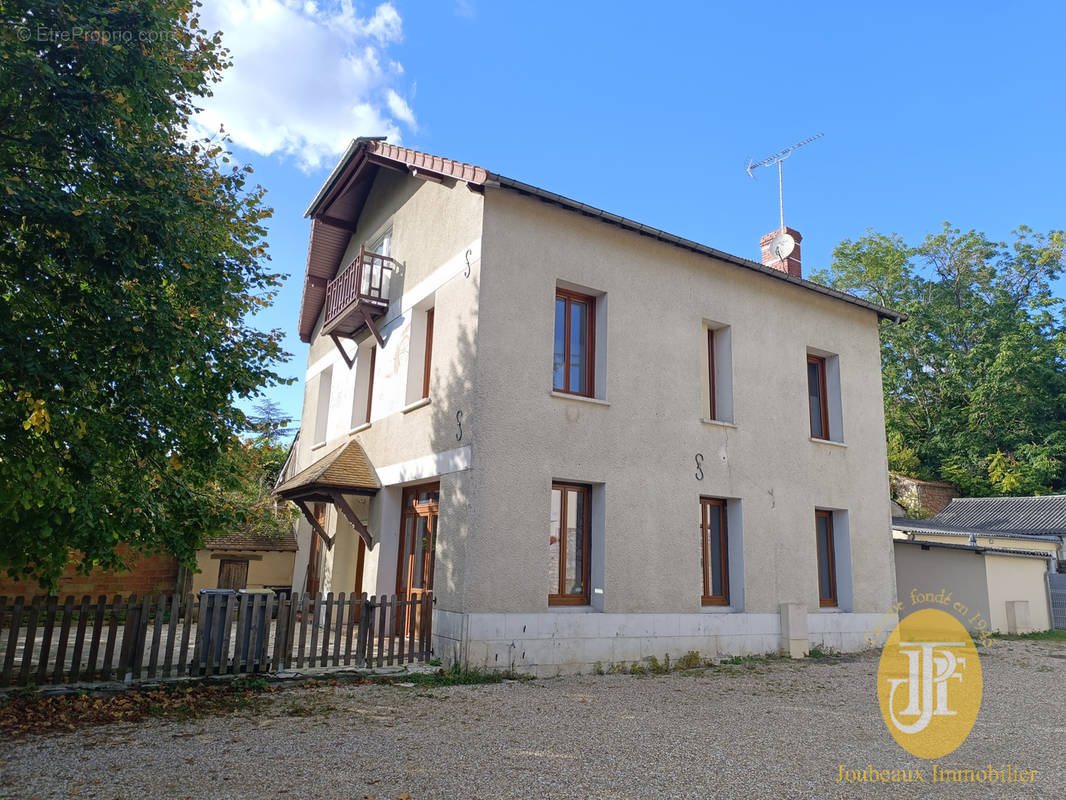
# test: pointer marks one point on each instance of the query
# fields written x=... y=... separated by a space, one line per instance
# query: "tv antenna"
x=777 y=158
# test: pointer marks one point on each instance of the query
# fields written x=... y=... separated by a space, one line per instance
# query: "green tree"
x=131 y=256
x=975 y=380
x=259 y=460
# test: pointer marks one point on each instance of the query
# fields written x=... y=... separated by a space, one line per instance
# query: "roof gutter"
x=994 y=551
x=1036 y=537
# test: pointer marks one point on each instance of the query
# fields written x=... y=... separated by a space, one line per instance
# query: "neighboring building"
x=996 y=552
x=593 y=440
x=245 y=561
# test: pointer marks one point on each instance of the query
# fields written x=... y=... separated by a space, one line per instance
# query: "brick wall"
x=935 y=496
x=147 y=575
x=932 y=496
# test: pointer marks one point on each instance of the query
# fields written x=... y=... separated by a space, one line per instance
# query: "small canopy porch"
x=346 y=470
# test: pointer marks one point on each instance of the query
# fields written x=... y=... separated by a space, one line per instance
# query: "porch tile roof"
x=345 y=468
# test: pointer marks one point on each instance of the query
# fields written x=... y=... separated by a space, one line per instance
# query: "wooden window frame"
x=590 y=357
x=831 y=600
x=410 y=508
x=429 y=353
x=719 y=506
x=823 y=400
x=711 y=386
x=370 y=383
x=562 y=598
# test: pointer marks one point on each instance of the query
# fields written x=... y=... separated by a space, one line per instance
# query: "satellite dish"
x=782 y=246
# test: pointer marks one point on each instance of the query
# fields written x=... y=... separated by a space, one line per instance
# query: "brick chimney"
x=790 y=265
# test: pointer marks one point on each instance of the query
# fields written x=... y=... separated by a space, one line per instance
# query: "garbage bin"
x=257 y=625
x=209 y=640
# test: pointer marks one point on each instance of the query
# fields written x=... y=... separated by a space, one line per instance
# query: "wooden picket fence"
x=173 y=636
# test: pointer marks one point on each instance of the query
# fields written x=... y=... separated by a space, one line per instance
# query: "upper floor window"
x=325 y=386
x=718 y=395
x=569 y=545
x=429 y=353
x=714 y=540
x=382 y=246
x=420 y=351
x=817 y=396
x=574 y=366
x=823 y=396
x=363 y=395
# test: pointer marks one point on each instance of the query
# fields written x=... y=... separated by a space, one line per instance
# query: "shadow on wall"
x=453 y=427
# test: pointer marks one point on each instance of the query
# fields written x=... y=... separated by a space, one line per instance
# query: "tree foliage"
x=975 y=380
x=130 y=258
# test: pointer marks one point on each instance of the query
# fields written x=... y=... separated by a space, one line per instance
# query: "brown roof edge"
x=413 y=160
x=353 y=147
x=645 y=230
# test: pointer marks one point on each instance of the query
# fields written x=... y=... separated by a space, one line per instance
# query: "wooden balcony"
x=358 y=295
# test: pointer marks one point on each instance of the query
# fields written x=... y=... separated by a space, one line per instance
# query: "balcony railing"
x=364 y=282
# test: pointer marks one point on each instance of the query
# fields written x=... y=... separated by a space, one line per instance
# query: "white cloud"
x=399 y=108
x=305 y=79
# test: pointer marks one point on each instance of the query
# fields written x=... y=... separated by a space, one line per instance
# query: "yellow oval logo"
x=929 y=683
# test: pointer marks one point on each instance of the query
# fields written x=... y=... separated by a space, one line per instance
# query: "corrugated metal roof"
x=1025 y=515
x=930 y=526
x=340 y=200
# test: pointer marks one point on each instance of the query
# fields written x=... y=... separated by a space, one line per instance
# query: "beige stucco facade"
x=976 y=585
x=266 y=569
x=489 y=262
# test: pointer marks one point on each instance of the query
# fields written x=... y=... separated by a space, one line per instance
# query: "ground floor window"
x=827 y=578
x=569 y=545
x=715 y=552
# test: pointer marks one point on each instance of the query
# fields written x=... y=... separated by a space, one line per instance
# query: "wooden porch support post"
x=349 y=512
x=314 y=524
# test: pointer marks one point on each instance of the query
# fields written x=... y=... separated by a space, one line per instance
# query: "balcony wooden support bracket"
x=314 y=524
x=373 y=328
x=344 y=353
x=349 y=513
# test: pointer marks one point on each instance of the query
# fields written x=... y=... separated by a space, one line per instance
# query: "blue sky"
x=652 y=111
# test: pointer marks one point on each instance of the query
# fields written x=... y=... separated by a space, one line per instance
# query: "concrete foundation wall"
x=565 y=642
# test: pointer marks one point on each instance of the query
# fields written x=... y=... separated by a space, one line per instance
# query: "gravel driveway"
x=766 y=730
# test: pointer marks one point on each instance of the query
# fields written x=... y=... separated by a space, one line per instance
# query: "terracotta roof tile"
x=251 y=541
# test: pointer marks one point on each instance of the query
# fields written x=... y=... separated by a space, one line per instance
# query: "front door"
x=418 y=539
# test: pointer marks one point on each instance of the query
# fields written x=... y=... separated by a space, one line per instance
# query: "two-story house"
x=593 y=440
